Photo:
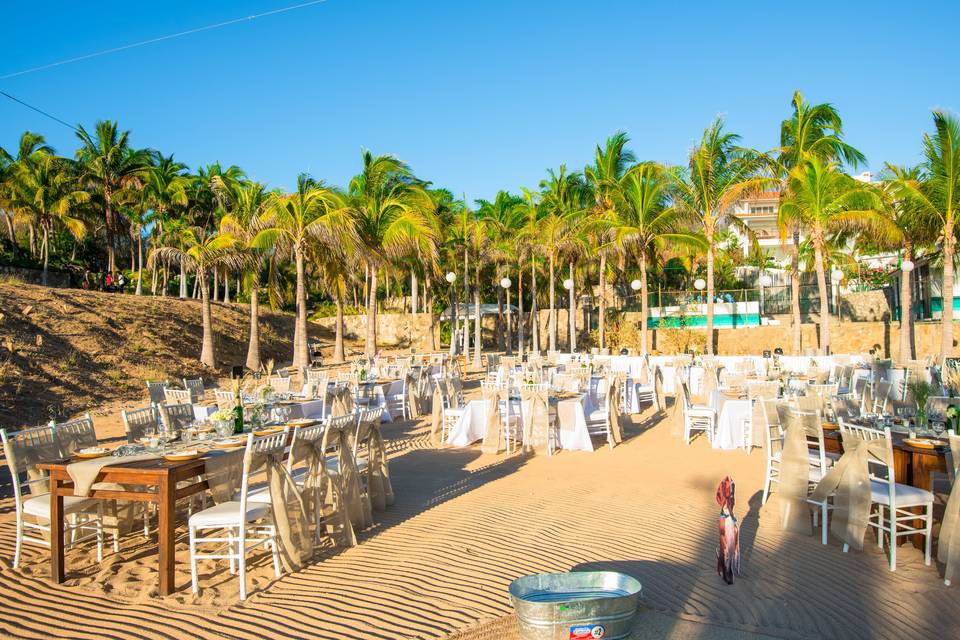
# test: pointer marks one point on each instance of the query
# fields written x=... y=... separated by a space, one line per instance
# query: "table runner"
x=84 y=472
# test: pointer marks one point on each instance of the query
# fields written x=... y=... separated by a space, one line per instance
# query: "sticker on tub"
x=587 y=632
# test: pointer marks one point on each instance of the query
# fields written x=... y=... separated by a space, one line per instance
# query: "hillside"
x=63 y=351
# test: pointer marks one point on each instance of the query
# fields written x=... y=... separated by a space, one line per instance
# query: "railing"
x=773 y=300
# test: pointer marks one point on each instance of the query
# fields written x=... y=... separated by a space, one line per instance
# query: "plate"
x=925 y=443
x=229 y=443
x=91 y=453
x=182 y=456
x=269 y=431
x=830 y=426
x=302 y=422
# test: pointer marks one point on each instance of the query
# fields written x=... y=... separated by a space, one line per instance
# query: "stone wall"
x=393 y=329
x=865 y=306
x=35 y=276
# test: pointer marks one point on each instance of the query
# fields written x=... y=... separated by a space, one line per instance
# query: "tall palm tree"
x=202 y=251
x=529 y=246
x=47 y=190
x=109 y=165
x=391 y=212
x=166 y=190
x=812 y=130
x=562 y=203
x=645 y=223
x=28 y=145
x=610 y=164
x=825 y=201
x=718 y=173
x=248 y=203
x=314 y=212
x=936 y=195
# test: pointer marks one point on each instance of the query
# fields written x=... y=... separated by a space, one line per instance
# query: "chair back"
x=138 y=421
x=24 y=450
x=313 y=433
x=226 y=400
x=155 y=388
x=75 y=435
x=280 y=384
x=880 y=459
x=195 y=387
x=176 y=416
x=881 y=397
x=177 y=396
x=258 y=448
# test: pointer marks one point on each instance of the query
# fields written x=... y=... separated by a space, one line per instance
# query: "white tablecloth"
x=731 y=415
x=472 y=422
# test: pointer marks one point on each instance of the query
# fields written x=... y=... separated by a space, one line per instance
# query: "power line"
x=171 y=36
x=38 y=110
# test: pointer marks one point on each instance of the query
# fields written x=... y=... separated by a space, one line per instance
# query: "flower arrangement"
x=921 y=390
x=221 y=416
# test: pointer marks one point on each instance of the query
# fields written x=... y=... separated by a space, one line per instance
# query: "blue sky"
x=476 y=96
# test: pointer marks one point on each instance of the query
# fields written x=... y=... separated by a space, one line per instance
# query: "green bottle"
x=238 y=414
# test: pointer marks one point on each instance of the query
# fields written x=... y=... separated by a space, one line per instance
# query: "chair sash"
x=436 y=430
x=341 y=401
x=379 y=488
x=658 y=390
x=848 y=481
x=535 y=407
x=288 y=509
x=223 y=471
x=614 y=417
x=948 y=547
x=413 y=398
x=321 y=488
x=795 y=469
x=492 y=435
x=357 y=505
x=679 y=402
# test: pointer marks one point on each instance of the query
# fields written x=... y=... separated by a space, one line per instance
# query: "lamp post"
x=636 y=285
x=765 y=281
x=505 y=283
x=836 y=276
x=571 y=315
x=699 y=285
x=451 y=277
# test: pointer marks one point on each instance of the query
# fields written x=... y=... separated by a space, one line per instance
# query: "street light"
x=699 y=284
x=505 y=284
x=571 y=312
x=765 y=281
x=907 y=266
x=568 y=284
x=451 y=277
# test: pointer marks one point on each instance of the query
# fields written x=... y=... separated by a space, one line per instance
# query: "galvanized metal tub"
x=579 y=604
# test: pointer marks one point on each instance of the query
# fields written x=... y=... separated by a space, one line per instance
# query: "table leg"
x=56 y=532
x=166 y=525
x=922 y=465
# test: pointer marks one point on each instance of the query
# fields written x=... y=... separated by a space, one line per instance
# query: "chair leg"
x=233 y=562
x=893 y=538
x=823 y=526
x=100 y=531
x=880 y=526
x=929 y=534
x=193 y=559
x=766 y=484
x=275 y=552
x=242 y=559
x=19 y=544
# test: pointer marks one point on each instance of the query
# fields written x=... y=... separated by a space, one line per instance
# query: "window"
x=767 y=208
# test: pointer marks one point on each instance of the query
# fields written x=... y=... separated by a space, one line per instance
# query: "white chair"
x=139 y=422
x=244 y=523
x=696 y=417
x=155 y=388
x=280 y=384
x=642 y=392
x=397 y=402
x=177 y=396
x=894 y=501
x=176 y=416
x=195 y=387
x=773 y=433
x=24 y=450
x=881 y=397
x=226 y=399
x=513 y=427
x=817 y=460
x=451 y=409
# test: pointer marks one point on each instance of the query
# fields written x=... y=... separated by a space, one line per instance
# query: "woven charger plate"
x=182 y=456
x=231 y=443
x=925 y=443
x=267 y=432
x=302 y=422
x=91 y=455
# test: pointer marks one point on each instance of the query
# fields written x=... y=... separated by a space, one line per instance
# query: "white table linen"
x=731 y=415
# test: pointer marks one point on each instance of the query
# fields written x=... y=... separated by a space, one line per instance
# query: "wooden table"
x=160 y=479
x=911 y=465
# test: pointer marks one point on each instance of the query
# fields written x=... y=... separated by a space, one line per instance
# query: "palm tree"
x=47 y=191
x=562 y=203
x=28 y=145
x=936 y=196
x=645 y=223
x=529 y=246
x=811 y=131
x=825 y=201
x=391 y=212
x=109 y=165
x=609 y=166
x=718 y=174
x=202 y=252
x=249 y=201
x=314 y=212
x=166 y=189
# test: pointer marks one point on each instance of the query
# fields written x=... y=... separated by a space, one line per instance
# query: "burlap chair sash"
x=320 y=488
x=413 y=395
x=535 y=408
x=357 y=504
x=848 y=481
x=615 y=418
x=341 y=401
x=379 y=488
x=948 y=548
x=288 y=509
x=795 y=468
x=658 y=390
x=493 y=441
x=436 y=424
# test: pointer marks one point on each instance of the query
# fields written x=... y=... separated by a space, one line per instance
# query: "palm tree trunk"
x=906 y=307
x=154 y=273
x=644 y=309
x=946 y=336
x=139 y=291
x=553 y=310
x=10 y=232
x=33 y=241
x=795 y=291
x=338 y=355
x=45 y=250
x=414 y=290
x=183 y=280
x=427 y=303
x=207 y=356
x=572 y=313
x=370 y=349
x=601 y=321
x=534 y=309
x=500 y=324
x=710 y=249
x=466 y=301
x=108 y=228
x=477 y=325
x=300 y=329
x=216 y=285
x=253 y=348
x=520 y=309
x=196 y=286
x=166 y=278
x=226 y=287
x=824 y=302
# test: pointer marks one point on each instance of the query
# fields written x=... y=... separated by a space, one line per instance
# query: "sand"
x=438 y=562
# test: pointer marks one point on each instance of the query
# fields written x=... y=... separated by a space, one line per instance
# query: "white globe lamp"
x=699 y=284
x=505 y=283
x=907 y=266
x=636 y=285
x=568 y=284
x=836 y=276
x=451 y=276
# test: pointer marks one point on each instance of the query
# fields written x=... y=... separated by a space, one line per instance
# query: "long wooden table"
x=160 y=479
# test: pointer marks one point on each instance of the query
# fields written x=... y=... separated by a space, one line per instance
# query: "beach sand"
x=438 y=562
